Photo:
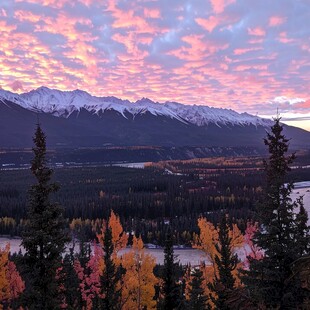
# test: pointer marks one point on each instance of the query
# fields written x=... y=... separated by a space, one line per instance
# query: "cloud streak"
x=224 y=53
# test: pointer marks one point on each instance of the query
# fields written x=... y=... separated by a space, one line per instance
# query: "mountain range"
x=73 y=119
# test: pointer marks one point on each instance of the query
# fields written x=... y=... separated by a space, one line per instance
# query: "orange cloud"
x=53 y=3
x=22 y=15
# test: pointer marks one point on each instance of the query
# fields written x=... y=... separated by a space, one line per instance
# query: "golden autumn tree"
x=139 y=280
x=11 y=284
x=119 y=237
x=208 y=238
x=4 y=282
x=112 y=239
x=207 y=241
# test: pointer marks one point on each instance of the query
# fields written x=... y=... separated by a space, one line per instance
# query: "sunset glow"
x=251 y=56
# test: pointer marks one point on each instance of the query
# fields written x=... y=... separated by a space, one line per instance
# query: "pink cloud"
x=219 y=5
x=256 y=40
x=16 y=86
x=130 y=19
x=249 y=67
x=151 y=13
x=195 y=41
x=5 y=28
x=52 y=3
x=258 y=31
x=223 y=21
x=130 y=41
x=304 y=105
x=241 y=51
x=22 y=15
x=199 y=48
x=209 y=24
x=276 y=21
x=284 y=39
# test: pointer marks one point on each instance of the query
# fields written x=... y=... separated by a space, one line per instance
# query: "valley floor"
x=185 y=256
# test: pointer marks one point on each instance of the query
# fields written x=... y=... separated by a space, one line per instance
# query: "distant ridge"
x=73 y=119
x=64 y=103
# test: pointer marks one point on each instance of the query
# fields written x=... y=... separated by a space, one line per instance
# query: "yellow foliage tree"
x=209 y=237
x=139 y=280
x=237 y=241
x=11 y=284
x=206 y=241
x=4 y=282
x=119 y=237
x=119 y=241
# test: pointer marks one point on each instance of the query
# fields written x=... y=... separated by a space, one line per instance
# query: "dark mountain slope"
x=86 y=128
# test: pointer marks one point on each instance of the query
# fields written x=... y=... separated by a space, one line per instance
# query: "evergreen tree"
x=197 y=298
x=226 y=262
x=171 y=289
x=111 y=275
x=301 y=271
x=44 y=237
x=281 y=234
x=71 y=282
x=302 y=229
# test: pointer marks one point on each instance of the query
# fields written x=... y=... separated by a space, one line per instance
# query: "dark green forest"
x=146 y=199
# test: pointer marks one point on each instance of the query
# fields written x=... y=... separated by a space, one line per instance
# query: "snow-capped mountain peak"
x=63 y=103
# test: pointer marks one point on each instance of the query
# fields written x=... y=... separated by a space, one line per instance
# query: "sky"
x=248 y=55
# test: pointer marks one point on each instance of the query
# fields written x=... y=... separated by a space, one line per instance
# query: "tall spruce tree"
x=302 y=229
x=111 y=276
x=226 y=263
x=171 y=289
x=71 y=282
x=280 y=234
x=44 y=237
x=197 y=297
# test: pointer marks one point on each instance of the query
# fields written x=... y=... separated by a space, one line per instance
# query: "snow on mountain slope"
x=63 y=103
x=203 y=115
